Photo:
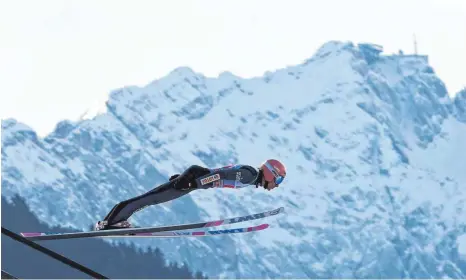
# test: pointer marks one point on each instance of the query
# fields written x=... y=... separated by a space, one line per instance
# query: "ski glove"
x=174 y=177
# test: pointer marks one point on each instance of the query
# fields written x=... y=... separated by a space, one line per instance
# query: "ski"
x=36 y=236
x=193 y=233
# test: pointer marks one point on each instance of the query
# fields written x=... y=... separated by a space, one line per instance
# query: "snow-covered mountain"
x=374 y=146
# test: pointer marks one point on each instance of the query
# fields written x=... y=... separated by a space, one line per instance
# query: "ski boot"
x=103 y=225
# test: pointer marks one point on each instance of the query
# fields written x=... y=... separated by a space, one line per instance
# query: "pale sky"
x=59 y=58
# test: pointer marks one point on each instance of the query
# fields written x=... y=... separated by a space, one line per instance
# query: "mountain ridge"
x=357 y=129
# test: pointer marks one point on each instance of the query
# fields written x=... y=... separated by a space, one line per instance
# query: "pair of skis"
x=164 y=231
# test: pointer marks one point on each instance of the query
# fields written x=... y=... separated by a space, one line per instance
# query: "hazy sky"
x=59 y=58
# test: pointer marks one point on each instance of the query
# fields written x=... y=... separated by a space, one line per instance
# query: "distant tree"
x=126 y=261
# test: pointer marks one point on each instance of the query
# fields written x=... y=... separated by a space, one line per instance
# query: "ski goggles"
x=278 y=178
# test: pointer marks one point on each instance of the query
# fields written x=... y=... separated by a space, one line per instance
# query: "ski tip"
x=261 y=227
x=258 y=227
x=278 y=210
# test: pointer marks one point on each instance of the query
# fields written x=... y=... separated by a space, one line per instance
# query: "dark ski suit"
x=193 y=178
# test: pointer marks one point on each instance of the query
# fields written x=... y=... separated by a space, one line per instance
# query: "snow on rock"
x=462 y=245
x=460 y=105
x=372 y=142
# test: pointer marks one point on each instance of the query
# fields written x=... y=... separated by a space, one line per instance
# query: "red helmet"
x=274 y=171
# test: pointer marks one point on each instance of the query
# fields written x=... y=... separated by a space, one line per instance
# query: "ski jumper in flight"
x=269 y=175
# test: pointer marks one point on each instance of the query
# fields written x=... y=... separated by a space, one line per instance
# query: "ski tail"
x=55 y=236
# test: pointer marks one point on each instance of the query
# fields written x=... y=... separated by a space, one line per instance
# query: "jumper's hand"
x=174 y=177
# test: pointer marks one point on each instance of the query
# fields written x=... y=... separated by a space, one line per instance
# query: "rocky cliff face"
x=373 y=143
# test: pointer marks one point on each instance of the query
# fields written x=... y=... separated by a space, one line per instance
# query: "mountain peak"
x=180 y=74
x=14 y=131
x=14 y=125
x=333 y=47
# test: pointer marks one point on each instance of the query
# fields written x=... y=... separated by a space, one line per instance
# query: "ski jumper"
x=194 y=178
